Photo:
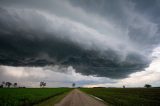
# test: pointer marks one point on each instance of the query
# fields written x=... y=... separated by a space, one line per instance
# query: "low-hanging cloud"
x=37 y=35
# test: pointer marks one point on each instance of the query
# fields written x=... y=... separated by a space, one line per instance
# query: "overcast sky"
x=89 y=42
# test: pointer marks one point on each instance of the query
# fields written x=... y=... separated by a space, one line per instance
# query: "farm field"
x=28 y=96
x=127 y=96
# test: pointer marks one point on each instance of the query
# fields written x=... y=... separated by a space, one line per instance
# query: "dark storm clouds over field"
x=106 y=38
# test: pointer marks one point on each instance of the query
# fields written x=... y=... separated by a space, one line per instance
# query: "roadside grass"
x=28 y=96
x=53 y=100
x=127 y=96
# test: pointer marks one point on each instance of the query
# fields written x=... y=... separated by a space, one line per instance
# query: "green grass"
x=52 y=101
x=28 y=96
x=127 y=96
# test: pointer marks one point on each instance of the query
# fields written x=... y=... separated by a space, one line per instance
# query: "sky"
x=93 y=43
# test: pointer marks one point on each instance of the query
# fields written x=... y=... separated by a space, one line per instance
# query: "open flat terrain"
x=80 y=97
x=127 y=96
x=28 y=96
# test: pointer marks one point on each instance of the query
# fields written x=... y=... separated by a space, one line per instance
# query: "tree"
x=42 y=84
x=147 y=85
x=73 y=85
x=15 y=85
x=8 y=84
x=4 y=84
x=1 y=86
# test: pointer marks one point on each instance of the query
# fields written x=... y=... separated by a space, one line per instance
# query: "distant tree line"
x=43 y=84
x=8 y=85
x=15 y=85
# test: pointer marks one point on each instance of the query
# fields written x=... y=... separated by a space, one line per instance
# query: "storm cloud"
x=102 y=38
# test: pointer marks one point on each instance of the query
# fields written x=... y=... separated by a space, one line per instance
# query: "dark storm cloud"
x=136 y=15
x=81 y=34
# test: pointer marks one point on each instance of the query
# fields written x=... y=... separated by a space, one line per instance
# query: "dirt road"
x=78 y=98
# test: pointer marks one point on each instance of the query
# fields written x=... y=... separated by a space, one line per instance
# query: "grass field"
x=127 y=96
x=28 y=96
x=113 y=96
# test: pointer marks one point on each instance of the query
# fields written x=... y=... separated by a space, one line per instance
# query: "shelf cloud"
x=104 y=38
